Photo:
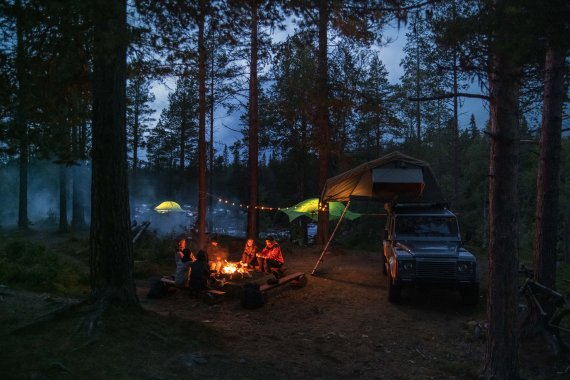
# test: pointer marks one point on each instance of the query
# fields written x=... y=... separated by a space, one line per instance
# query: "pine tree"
x=111 y=250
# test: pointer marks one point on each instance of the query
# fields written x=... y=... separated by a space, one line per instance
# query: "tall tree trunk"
x=136 y=137
x=456 y=164
x=212 y=108
x=21 y=123
x=63 y=182
x=502 y=344
x=78 y=198
x=182 y=139
x=201 y=129
x=418 y=88
x=548 y=181
x=253 y=151
x=23 y=188
x=456 y=157
x=322 y=117
x=111 y=249
x=77 y=193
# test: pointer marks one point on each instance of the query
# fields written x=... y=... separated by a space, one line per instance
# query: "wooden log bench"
x=168 y=281
x=297 y=279
x=210 y=296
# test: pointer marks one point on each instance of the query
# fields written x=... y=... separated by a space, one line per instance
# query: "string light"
x=244 y=206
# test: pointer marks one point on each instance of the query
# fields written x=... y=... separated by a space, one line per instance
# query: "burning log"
x=235 y=268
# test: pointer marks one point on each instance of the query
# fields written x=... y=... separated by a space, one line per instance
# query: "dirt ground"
x=340 y=325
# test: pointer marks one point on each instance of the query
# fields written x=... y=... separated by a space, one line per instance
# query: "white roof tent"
x=394 y=178
x=391 y=178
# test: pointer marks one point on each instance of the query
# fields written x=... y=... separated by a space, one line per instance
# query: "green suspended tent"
x=168 y=206
x=310 y=207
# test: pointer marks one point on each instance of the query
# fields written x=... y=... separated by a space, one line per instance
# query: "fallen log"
x=298 y=279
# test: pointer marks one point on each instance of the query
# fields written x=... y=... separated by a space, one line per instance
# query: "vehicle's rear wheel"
x=561 y=323
x=394 y=290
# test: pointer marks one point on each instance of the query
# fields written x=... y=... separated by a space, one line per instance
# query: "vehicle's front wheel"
x=394 y=289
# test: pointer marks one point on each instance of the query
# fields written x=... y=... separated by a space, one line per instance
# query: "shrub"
x=33 y=266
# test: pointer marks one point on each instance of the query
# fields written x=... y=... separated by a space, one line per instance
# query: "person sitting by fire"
x=249 y=251
x=271 y=256
x=200 y=273
x=179 y=248
x=216 y=255
x=183 y=268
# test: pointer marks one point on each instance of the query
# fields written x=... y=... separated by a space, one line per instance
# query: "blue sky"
x=391 y=55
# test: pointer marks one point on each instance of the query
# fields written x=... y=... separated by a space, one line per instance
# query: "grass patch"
x=127 y=344
x=34 y=267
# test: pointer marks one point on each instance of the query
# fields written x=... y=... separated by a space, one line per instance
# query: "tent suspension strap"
x=330 y=238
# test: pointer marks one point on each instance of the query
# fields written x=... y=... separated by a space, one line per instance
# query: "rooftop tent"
x=394 y=177
x=168 y=206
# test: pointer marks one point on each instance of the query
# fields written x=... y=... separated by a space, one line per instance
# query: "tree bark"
x=136 y=137
x=63 y=181
x=456 y=156
x=253 y=151
x=322 y=116
x=77 y=194
x=78 y=198
x=502 y=343
x=418 y=89
x=111 y=250
x=548 y=180
x=212 y=109
x=21 y=123
x=201 y=129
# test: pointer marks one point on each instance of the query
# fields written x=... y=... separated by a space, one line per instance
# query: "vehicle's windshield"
x=420 y=225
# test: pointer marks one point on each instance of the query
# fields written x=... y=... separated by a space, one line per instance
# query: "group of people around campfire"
x=196 y=271
x=269 y=257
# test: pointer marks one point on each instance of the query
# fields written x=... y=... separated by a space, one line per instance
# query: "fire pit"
x=235 y=270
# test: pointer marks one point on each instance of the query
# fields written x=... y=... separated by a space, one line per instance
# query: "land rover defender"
x=423 y=246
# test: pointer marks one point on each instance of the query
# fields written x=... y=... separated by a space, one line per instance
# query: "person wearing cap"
x=271 y=255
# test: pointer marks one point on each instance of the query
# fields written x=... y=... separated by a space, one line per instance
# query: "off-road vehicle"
x=423 y=246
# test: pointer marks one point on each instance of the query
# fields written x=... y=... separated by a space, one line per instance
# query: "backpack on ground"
x=252 y=297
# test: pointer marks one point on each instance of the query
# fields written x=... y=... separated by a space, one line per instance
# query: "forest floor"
x=340 y=325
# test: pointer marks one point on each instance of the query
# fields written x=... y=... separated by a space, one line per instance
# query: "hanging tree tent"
x=395 y=177
x=310 y=208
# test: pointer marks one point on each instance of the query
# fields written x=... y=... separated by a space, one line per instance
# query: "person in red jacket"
x=271 y=256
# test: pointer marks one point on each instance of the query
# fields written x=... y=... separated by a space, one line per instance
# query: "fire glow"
x=231 y=268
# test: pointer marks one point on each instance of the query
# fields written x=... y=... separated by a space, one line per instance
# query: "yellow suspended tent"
x=168 y=206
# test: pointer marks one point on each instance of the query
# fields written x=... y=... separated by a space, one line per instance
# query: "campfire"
x=231 y=269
